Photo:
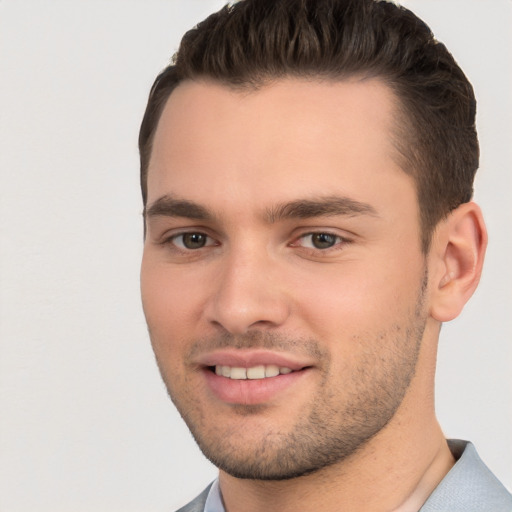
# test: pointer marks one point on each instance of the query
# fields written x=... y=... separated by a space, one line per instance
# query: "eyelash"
x=338 y=245
x=171 y=240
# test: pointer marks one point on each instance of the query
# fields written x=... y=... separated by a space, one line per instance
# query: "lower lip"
x=248 y=391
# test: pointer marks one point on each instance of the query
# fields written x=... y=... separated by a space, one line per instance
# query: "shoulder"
x=470 y=486
x=197 y=504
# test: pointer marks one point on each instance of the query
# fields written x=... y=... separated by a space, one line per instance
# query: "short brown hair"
x=251 y=42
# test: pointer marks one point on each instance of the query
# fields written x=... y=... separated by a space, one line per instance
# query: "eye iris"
x=323 y=240
x=194 y=240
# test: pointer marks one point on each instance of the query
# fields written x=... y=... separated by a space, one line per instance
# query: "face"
x=283 y=281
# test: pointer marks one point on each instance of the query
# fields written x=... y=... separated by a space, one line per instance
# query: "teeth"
x=238 y=373
x=255 y=372
x=271 y=370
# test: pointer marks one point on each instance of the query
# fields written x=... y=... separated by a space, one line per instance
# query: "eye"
x=192 y=241
x=320 y=240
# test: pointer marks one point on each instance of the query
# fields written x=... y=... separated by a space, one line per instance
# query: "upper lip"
x=249 y=358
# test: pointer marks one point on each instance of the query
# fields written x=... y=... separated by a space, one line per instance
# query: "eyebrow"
x=329 y=206
x=169 y=206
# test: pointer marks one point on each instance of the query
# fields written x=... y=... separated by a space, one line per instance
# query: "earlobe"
x=458 y=250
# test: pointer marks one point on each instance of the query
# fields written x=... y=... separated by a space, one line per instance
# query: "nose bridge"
x=249 y=292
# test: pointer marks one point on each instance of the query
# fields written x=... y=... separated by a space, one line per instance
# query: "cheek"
x=345 y=300
x=168 y=305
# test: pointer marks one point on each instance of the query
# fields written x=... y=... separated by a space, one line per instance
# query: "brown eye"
x=323 y=240
x=191 y=240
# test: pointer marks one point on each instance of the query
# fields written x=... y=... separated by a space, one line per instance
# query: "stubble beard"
x=332 y=428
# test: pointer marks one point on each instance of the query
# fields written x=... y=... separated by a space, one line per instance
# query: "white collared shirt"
x=214 y=499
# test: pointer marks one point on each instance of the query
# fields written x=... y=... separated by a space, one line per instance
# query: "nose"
x=248 y=294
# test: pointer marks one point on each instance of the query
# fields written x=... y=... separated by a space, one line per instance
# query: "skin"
x=362 y=316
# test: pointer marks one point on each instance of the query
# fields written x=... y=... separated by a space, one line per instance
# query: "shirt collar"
x=214 y=499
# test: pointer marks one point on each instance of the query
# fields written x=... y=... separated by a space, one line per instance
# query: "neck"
x=398 y=479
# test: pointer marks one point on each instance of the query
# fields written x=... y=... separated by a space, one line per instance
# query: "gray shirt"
x=469 y=486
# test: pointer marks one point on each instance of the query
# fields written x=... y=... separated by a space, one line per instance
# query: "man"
x=307 y=172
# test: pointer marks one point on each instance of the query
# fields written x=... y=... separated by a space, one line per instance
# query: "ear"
x=456 y=257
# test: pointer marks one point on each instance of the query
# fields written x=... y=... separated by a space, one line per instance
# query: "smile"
x=253 y=373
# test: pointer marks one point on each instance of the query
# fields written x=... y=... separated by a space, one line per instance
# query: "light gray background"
x=85 y=423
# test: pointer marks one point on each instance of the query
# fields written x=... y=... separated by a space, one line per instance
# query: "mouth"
x=253 y=378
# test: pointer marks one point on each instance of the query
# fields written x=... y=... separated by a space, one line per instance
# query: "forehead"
x=285 y=140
